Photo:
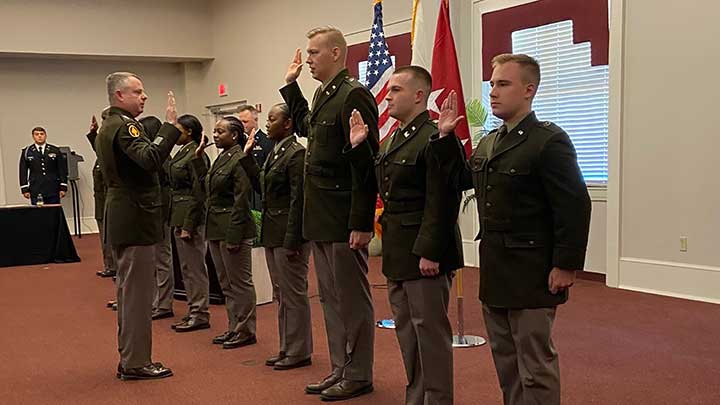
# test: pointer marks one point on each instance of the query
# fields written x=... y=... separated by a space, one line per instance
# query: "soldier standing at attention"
x=99 y=190
x=280 y=182
x=187 y=210
x=422 y=244
x=130 y=163
x=43 y=170
x=534 y=212
x=339 y=209
x=229 y=228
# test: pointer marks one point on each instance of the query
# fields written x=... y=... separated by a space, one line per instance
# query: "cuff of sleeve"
x=445 y=147
x=198 y=164
x=362 y=223
x=361 y=151
x=289 y=88
x=292 y=244
x=427 y=248
x=189 y=227
x=569 y=258
x=250 y=166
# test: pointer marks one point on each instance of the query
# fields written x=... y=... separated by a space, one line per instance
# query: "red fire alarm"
x=222 y=90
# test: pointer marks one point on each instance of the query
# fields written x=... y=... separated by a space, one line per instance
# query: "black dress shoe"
x=346 y=389
x=119 y=371
x=150 y=372
x=162 y=314
x=274 y=359
x=239 y=340
x=220 y=339
x=110 y=303
x=114 y=307
x=182 y=321
x=288 y=363
x=326 y=383
x=106 y=273
x=191 y=325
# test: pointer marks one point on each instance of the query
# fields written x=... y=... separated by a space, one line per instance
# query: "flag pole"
x=461 y=340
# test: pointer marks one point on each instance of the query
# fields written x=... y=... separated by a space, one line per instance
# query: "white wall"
x=250 y=55
x=663 y=148
x=119 y=28
x=61 y=96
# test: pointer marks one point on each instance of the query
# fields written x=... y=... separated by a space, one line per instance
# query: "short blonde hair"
x=527 y=63
x=334 y=36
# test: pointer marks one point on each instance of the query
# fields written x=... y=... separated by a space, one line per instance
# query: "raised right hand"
x=449 y=118
x=94 y=124
x=201 y=148
x=295 y=67
x=358 y=129
x=171 y=111
x=250 y=143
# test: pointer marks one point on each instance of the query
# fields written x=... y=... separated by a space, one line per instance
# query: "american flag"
x=379 y=69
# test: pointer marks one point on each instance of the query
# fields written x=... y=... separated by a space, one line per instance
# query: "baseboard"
x=672 y=279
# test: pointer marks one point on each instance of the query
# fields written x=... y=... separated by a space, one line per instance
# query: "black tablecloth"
x=35 y=235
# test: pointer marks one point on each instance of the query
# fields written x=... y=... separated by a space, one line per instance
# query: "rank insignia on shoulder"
x=134 y=131
x=158 y=140
x=546 y=123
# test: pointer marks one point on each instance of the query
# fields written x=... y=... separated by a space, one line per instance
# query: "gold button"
x=512 y=171
x=491 y=170
x=488 y=188
x=403 y=160
x=488 y=204
x=387 y=193
x=532 y=242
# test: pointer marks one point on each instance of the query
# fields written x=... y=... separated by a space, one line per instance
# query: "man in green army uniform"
x=422 y=244
x=534 y=212
x=339 y=209
x=99 y=189
x=130 y=163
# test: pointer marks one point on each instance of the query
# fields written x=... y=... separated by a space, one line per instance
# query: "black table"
x=35 y=235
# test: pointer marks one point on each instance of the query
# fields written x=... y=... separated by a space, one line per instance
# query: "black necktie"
x=396 y=137
x=499 y=137
x=40 y=148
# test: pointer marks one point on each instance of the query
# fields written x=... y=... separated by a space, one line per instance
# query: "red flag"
x=446 y=74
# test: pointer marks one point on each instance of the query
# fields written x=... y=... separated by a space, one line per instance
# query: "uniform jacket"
x=261 y=150
x=187 y=207
x=44 y=173
x=420 y=204
x=337 y=198
x=130 y=164
x=280 y=181
x=226 y=190
x=99 y=187
x=534 y=211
